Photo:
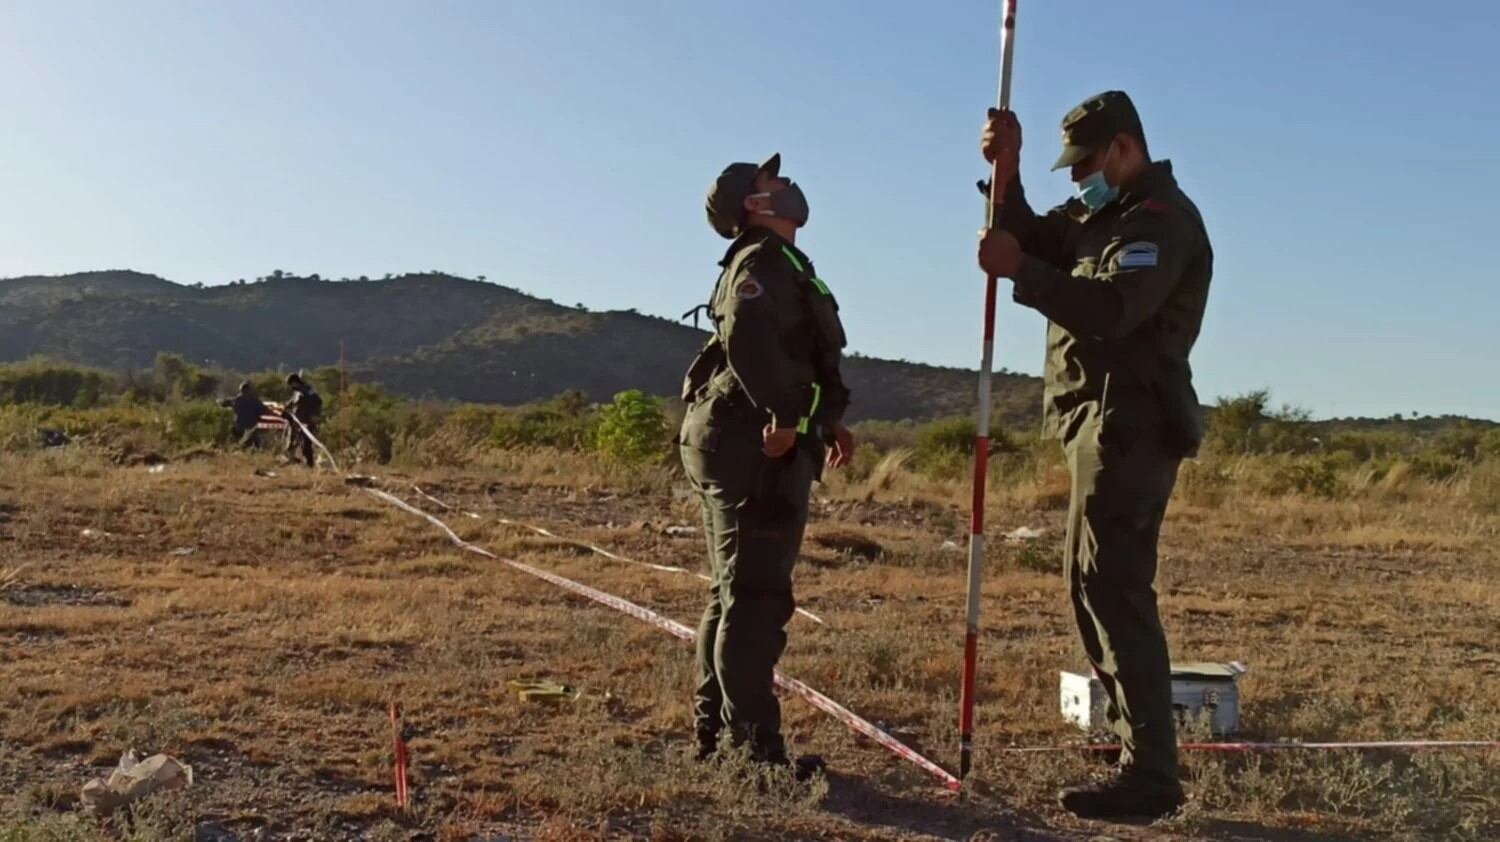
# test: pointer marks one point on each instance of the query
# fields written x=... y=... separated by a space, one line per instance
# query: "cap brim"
x=772 y=165
x=1072 y=155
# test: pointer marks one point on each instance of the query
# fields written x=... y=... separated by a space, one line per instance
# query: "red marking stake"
x=400 y=757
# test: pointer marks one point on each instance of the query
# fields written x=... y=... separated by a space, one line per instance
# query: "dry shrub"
x=1037 y=485
x=1396 y=480
x=9 y=576
x=446 y=447
x=1206 y=484
x=1038 y=556
x=76 y=461
x=18 y=427
x=1482 y=486
x=886 y=472
x=891 y=479
x=885 y=655
x=1312 y=476
x=1375 y=794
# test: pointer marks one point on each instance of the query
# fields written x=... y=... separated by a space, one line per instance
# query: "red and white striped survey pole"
x=982 y=436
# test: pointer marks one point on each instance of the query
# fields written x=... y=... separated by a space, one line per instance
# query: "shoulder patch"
x=748 y=289
x=1137 y=255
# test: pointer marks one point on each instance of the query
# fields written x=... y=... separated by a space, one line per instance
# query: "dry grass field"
x=256 y=627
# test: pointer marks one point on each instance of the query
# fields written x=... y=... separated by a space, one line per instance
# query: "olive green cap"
x=726 y=198
x=1094 y=123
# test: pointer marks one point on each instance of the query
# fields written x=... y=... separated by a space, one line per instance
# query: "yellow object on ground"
x=543 y=691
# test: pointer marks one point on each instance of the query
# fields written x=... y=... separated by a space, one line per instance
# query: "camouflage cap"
x=1094 y=123
x=726 y=198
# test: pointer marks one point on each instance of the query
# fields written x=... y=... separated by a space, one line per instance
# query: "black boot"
x=774 y=756
x=708 y=746
x=1126 y=795
x=808 y=766
x=803 y=769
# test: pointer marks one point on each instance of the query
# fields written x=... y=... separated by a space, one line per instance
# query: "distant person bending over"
x=305 y=406
x=248 y=410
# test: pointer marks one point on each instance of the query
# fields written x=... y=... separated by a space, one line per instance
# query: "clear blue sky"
x=1344 y=154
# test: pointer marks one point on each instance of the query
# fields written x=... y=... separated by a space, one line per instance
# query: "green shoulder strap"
x=802 y=270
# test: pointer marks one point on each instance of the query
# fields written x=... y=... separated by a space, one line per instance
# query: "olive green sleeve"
x=754 y=311
x=833 y=395
x=1048 y=236
x=1142 y=265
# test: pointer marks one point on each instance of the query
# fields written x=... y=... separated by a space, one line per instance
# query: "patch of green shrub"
x=366 y=422
x=564 y=423
x=633 y=429
x=1315 y=476
x=52 y=384
x=178 y=378
x=198 y=424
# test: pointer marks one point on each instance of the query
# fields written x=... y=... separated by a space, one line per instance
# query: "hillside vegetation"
x=426 y=335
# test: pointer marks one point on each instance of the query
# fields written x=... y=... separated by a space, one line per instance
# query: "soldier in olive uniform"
x=306 y=406
x=1121 y=272
x=765 y=409
x=248 y=411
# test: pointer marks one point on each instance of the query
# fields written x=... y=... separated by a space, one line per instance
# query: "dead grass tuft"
x=886 y=473
x=11 y=576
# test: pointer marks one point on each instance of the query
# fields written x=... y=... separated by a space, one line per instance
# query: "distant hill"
x=42 y=290
x=425 y=335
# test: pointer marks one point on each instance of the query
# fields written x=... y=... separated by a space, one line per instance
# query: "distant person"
x=306 y=406
x=766 y=405
x=1121 y=271
x=248 y=411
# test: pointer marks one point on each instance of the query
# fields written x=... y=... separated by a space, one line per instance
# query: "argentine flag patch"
x=1137 y=255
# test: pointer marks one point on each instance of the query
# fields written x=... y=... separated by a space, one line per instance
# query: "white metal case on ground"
x=1200 y=691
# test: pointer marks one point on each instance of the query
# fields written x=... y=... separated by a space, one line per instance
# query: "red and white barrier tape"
x=540 y=530
x=1259 y=747
x=785 y=682
x=543 y=531
x=449 y=506
x=314 y=439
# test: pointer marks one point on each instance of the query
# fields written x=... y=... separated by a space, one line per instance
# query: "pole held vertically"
x=982 y=428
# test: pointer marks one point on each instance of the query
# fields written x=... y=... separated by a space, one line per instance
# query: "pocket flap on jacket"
x=701 y=438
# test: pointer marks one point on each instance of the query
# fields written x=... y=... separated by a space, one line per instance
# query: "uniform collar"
x=756 y=235
x=1156 y=177
x=1150 y=181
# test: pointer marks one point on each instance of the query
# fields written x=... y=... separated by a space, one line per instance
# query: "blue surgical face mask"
x=1094 y=191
